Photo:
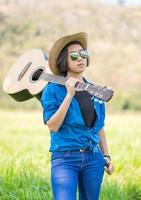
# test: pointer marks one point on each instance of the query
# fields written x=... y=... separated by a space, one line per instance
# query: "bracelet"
x=107 y=156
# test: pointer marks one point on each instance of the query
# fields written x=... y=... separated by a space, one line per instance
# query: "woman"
x=75 y=121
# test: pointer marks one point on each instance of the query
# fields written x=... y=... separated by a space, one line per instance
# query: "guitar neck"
x=61 y=80
x=101 y=93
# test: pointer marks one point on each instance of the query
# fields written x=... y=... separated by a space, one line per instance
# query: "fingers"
x=71 y=81
x=109 y=169
x=70 y=85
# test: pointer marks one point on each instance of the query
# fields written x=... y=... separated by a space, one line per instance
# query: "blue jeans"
x=71 y=169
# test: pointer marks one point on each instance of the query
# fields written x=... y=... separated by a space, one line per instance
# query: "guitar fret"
x=81 y=85
x=92 y=86
x=84 y=85
x=95 y=91
x=55 y=78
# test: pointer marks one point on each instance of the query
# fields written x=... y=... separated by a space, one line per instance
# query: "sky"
x=127 y=2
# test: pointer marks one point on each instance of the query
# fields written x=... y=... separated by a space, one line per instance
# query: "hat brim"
x=60 y=44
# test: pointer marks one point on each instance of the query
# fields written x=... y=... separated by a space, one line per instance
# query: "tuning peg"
x=100 y=101
x=96 y=100
x=104 y=88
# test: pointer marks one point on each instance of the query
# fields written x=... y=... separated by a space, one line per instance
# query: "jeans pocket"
x=99 y=154
x=58 y=155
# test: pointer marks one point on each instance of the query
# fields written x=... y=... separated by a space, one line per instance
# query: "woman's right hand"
x=70 y=85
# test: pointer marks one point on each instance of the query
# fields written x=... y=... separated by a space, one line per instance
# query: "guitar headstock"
x=101 y=93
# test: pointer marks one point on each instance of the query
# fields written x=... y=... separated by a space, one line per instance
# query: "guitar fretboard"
x=100 y=92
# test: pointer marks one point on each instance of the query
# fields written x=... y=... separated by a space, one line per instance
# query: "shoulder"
x=52 y=87
x=53 y=90
x=48 y=93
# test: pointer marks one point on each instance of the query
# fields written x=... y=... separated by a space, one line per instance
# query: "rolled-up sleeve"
x=49 y=102
x=103 y=114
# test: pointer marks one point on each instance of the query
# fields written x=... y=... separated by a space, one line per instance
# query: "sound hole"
x=36 y=75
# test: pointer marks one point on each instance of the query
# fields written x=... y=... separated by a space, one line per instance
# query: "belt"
x=86 y=149
x=83 y=149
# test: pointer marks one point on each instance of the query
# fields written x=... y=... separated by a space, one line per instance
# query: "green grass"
x=24 y=157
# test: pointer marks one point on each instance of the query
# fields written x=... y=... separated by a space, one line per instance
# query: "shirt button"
x=90 y=142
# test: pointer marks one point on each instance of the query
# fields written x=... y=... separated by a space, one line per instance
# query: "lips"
x=80 y=64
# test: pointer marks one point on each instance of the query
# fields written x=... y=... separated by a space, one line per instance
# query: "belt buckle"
x=82 y=150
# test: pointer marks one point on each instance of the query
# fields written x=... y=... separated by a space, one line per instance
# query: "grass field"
x=24 y=157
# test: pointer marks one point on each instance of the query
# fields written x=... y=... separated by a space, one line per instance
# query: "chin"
x=79 y=71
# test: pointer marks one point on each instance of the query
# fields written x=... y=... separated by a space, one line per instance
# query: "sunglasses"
x=82 y=53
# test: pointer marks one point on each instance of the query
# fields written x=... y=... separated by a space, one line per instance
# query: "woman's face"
x=76 y=66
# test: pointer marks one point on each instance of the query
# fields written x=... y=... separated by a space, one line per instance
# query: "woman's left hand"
x=109 y=168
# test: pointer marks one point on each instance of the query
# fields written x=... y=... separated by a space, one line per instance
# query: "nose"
x=79 y=58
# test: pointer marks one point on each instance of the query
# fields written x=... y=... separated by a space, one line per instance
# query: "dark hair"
x=62 y=58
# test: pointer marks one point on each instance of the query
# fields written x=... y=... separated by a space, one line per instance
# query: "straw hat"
x=60 y=44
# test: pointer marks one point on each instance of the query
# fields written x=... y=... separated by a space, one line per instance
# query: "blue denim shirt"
x=73 y=133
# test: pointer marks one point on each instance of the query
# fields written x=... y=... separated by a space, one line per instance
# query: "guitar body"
x=23 y=79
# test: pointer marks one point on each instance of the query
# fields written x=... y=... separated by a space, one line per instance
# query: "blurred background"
x=114 y=43
x=113 y=40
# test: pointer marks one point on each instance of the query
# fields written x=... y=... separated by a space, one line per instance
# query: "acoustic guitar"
x=30 y=74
